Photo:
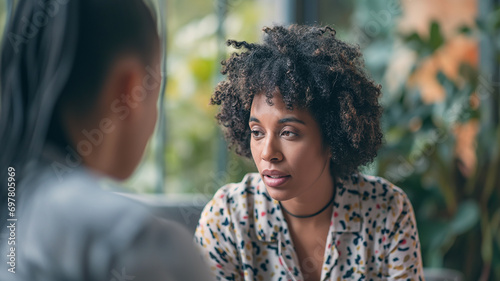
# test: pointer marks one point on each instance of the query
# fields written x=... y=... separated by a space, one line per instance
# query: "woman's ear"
x=123 y=92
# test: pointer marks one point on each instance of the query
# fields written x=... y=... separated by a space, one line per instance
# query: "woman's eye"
x=256 y=134
x=288 y=134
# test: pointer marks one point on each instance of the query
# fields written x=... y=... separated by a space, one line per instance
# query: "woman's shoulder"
x=378 y=193
x=233 y=192
x=79 y=203
x=375 y=187
x=80 y=194
x=236 y=197
x=70 y=217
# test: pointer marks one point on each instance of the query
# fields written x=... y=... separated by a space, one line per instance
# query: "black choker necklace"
x=315 y=214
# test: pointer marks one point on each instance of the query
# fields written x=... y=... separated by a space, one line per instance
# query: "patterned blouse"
x=373 y=235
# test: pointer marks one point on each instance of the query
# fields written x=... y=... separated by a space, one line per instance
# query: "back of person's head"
x=55 y=57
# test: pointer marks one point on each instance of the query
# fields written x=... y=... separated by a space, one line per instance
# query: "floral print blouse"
x=373 y=235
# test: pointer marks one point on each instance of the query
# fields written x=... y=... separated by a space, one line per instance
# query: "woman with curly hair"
x=303 y=107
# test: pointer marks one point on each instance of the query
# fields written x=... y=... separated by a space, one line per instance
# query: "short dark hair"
x=311 y=69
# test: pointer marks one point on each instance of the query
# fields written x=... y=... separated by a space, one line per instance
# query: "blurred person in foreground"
x=80 y=82
x=302 y=106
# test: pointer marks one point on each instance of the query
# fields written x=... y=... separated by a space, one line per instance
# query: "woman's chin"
x=279 y=194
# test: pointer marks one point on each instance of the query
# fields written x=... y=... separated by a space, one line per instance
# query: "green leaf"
x=416 y=43
x=487 y=241
x=436 y=37
x=496 y=19
x=466 y=217
x=414 y=37
x=466 y=30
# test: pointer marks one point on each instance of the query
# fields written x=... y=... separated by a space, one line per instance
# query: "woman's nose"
x=271 y=151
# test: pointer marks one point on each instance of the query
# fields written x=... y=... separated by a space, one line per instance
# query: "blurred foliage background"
x=438 y=62
x=439 y=65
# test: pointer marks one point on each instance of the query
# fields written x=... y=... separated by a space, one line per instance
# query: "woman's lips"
x=275 y=181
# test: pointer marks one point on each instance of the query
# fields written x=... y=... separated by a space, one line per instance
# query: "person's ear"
x=116 y=100
x=123 y=93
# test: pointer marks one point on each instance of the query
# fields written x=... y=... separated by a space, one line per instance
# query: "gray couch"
x=184 y=209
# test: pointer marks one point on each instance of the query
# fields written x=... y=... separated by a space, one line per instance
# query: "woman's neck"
x=303 y=208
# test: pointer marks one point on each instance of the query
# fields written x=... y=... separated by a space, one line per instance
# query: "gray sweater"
x=69 y=228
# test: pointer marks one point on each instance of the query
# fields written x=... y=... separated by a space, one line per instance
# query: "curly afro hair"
x=311 y=69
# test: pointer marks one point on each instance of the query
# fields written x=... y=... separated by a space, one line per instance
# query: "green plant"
x=457 y=204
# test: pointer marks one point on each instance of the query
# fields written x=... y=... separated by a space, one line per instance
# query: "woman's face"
x=287 y=148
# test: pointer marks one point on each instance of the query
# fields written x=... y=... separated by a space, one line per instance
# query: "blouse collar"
x=346 y=215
